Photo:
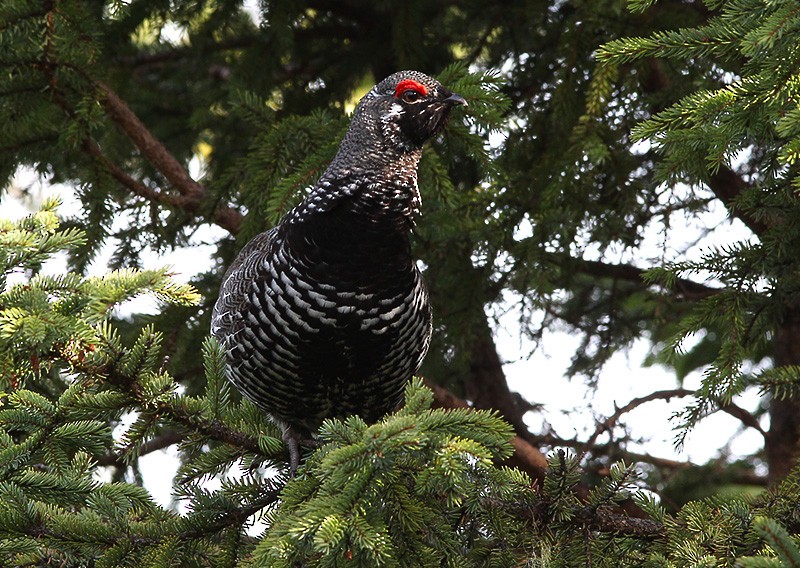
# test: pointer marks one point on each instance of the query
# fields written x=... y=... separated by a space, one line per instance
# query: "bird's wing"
x=227 y=316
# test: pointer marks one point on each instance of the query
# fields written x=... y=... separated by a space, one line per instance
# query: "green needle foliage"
x=419 y=488
x=419 y=484
x=751 y=116
x=590 y=125
x=68 y=380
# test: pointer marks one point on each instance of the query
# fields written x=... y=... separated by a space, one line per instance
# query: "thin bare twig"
x=743 y=416
x=607 y=424
x=165 y=440
x=689 y=289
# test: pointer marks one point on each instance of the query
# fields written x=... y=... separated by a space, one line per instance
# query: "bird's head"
x=391 y=123
x=405 y=110
x=411 y=107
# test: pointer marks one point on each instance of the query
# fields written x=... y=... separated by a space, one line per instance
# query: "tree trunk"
x=782 y=440
x=485 y=384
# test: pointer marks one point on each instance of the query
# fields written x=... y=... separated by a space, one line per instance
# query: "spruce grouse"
x=326 y=315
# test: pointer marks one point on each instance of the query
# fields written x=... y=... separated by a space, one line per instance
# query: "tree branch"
x=743 y=416
x=165 y=440
x=193 y=196
x=150 y=147
x=93 y=149
x=212 y=429
x=601 y=519
x=656 y=461
x=608 y=423
x=606 y=521
x=230 y=518
x=181 y=52
x=526 y=457
x=727 y=185
x=688 y=289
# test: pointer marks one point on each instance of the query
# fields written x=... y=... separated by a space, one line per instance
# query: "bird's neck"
x=368 y=193
x=358 y=217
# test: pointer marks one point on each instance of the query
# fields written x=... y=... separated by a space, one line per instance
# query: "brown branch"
x=193 y=196
x=607 y=424
x=443 y=398
x=91 y=147
x=182 y=52
x=606 y=521
x=213 y=429
x=231 y=518
x=727 y=185
x=688 y=289
x=165 y=440
x=150 y=147
x=613 y=452
x=743 y=416
x=554 y=441
x=601 y=519
x=530 y=459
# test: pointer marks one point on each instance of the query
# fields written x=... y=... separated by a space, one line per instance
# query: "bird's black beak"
x=455 y=99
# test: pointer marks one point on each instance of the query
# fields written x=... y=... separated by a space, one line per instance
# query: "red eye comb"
x=410 y=85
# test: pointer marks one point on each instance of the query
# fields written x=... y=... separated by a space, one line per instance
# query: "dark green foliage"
x=749 y=117
x=417 y=468
x=416 y=489
x=50 y=447
x=609 y=122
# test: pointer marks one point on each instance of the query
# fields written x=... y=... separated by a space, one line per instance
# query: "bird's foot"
x=293 y=440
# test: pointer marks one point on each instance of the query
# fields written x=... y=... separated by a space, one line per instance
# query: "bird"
x=326 y=315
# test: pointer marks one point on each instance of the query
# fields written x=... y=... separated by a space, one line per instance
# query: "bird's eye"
x=410 y=96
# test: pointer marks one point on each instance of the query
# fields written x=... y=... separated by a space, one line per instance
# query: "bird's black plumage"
x=326 y=315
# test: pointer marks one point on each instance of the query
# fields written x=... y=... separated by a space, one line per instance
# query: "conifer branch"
x=132 y=184
x=606 y=521
x=181 y=52
x=727 y=185
x=666 y=464
x=526 y=457
x=165 y=440
x=213 y=429
x=232 y=518
x=193 y=196
x=554 y=441
x=151 y=147
x=28 y=142
x=743 y=416
x=235 y=517
x=601 y=519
